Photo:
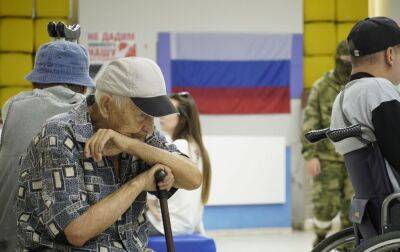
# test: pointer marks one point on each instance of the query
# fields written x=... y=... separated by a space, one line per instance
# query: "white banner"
x=106 y=46
x=247 y=169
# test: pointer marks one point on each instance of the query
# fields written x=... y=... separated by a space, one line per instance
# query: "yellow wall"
x=23 y=28
x=326 y=23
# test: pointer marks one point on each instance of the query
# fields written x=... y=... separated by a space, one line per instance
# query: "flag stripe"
x=296 y=67
x=240 y=100
x=230 y=46
x=233 y=74
x=164 y=57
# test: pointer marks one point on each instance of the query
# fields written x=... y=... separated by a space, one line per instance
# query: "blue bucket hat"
x=61 y=62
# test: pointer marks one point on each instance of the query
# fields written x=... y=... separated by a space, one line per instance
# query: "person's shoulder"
x=182 y=145
x=362 y=87
x=373 y=82
x=64 y=121
x=374 y=87
x=20 y=97
x=181 y=141
x=322 y=82
x=56 y=125
x=372 y=91
x=29 y=94
x=384 y=84
x=25 y=98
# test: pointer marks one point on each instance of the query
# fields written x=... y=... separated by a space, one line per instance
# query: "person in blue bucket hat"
x=60 y=78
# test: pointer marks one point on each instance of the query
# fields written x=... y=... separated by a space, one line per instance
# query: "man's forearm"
x=103 y=214
x=186 y=174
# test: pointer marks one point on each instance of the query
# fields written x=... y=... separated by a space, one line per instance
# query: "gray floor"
x=263 y=240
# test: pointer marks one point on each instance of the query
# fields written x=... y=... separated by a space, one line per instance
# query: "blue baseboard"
x=252 y=216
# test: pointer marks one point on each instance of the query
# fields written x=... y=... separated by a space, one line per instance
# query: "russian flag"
x=233 y=73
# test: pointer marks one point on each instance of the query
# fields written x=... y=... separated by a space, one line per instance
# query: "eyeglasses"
x=184 y=94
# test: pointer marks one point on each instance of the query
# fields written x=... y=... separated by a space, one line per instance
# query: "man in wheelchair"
x=371 y=99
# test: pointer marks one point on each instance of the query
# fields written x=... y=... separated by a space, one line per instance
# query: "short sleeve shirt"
x=57 y=184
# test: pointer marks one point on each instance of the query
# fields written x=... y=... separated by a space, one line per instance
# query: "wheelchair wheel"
x=337 y=240
x=385 y=242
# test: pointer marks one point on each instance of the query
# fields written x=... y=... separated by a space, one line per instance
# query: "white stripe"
x=267 y=125
x=322 y=224
x=172 y=43
x=230 y=46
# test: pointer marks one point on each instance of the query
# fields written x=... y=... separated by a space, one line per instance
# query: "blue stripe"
x=296 y=67
x=232 y=74
x=253 y=216
x=164 y=57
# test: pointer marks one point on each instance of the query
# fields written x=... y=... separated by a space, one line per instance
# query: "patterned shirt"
x=57 y=185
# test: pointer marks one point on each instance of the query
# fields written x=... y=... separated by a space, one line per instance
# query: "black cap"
x=373 y=35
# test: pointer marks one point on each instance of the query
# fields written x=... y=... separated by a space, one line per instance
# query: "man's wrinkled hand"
x=148 y=181
x=106 y=142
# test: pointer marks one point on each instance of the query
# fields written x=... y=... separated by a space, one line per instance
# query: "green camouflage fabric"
x=332 y=193
x=317 y=114
x=332 y=190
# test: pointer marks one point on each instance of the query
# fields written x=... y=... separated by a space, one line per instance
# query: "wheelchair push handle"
x=314 y=136
x=334 y=135
x=337 y=135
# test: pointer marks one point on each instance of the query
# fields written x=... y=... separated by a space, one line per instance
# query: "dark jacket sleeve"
x=386 y=121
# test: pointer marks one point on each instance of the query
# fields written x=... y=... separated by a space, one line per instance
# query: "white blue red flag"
x=233 y=73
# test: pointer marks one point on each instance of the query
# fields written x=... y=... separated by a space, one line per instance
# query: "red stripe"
x=266 y=100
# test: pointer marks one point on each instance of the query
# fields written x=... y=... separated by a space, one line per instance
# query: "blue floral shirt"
x=57 y=184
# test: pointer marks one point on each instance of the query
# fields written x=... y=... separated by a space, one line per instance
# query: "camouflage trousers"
x=332 y=193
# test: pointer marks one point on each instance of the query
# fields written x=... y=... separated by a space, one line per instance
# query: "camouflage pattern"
x=317 y=114
x=332 y=189
x=332 y=193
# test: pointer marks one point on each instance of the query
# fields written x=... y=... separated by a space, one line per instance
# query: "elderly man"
x=60 y=77
x=84 y=180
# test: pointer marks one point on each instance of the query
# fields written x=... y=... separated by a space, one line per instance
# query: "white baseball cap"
x=141 y=80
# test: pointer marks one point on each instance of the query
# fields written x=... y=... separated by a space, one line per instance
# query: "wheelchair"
x=375 y=208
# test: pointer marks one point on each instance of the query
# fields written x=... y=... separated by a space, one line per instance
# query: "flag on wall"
x=230 y=73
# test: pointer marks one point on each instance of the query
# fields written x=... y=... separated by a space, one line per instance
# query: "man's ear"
x=105 y=105
x=389 y=56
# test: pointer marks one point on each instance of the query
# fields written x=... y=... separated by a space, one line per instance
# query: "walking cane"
x=162 y=195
